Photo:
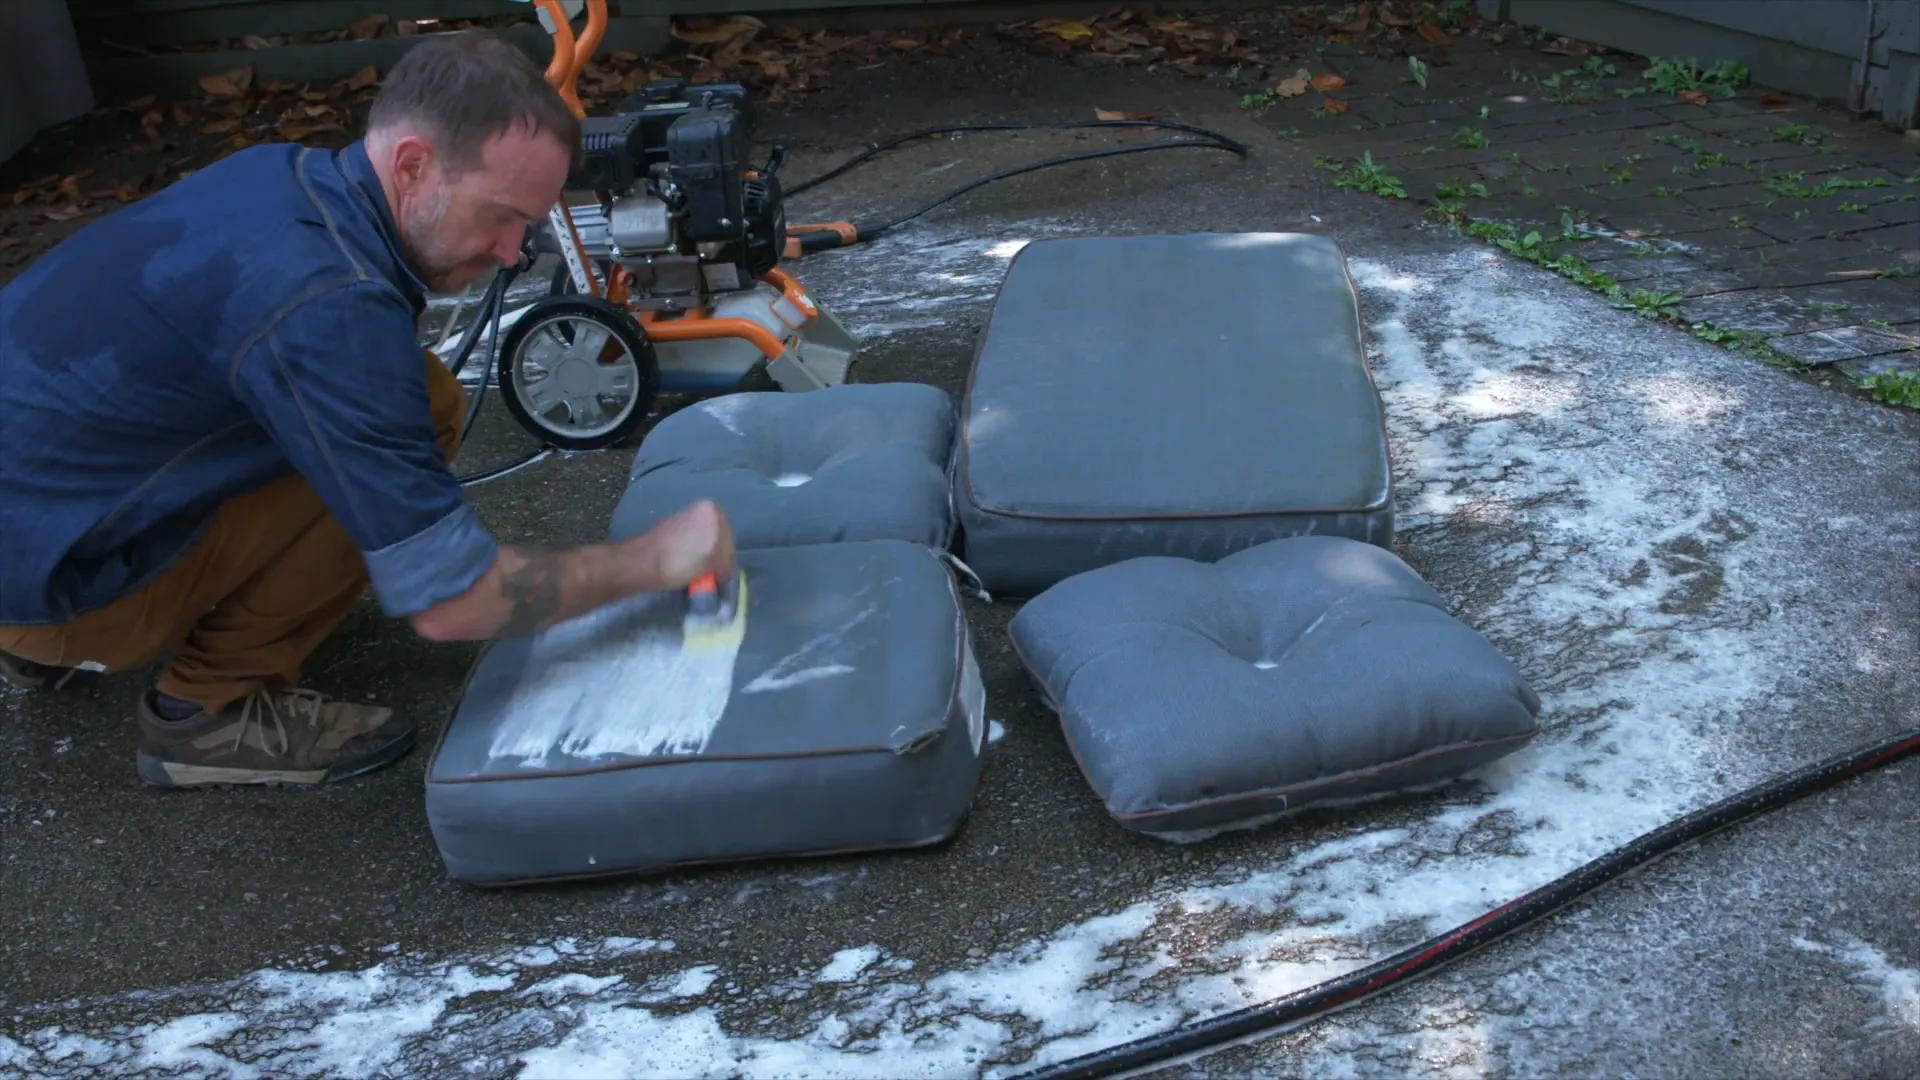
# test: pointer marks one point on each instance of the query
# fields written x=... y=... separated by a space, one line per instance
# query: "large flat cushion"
x=853 y=462
x=1186 y=395
x=1204 y=696
x=850 y=716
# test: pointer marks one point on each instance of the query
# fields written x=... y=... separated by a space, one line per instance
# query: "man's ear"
x=414 y=163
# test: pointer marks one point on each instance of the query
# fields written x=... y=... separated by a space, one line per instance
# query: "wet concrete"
x=1533 y=445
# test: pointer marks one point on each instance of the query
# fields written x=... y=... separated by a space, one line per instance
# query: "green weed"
x=1900 y=388
x=1675 y=77
x=1369 y=177
x=1454 y=189
x=1470 y=139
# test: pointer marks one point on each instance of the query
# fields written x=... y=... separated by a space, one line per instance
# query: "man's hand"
x=530 y=589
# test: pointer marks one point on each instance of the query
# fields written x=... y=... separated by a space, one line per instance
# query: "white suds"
x=1898 y=988
x=769 y=681
x=791 y=480
x=616 y=682
x=798 y=667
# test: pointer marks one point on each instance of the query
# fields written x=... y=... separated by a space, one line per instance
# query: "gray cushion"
x=1202 y=696
x=1167 y=395
x=854 y=462
x=850 y=717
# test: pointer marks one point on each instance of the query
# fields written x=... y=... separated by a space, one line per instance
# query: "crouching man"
x=217 y=429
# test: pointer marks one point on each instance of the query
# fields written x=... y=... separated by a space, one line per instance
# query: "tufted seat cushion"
x=855 y=462
x=1204 y=696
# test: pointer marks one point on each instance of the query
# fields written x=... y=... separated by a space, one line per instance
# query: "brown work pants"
x=274 y=575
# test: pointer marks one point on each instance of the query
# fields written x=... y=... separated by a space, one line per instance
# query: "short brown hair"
x=464 y=89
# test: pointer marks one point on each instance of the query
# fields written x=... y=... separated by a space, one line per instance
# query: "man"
x=219 y=429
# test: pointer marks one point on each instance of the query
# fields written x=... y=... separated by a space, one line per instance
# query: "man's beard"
x=429 y=258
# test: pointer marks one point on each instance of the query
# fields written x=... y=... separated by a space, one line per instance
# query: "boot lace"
x=278 y=707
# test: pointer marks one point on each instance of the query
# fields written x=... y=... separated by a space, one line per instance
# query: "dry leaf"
x=903 y=44
x=1295 y=84
x=296 y=132
x=1853 y=273
x=220 y=127
x=183 y=114
x=1387 y=16
x=625 y=57
x=255 y=41
x=1109 y=114
x=70 y=185
x=315 y=95
x=62 y=213
x=364 y=78
x=1361 y=17
x=737 y=26
x=126 y=192
x=366 y=28
x=21 y=196
x=139 y=103
x=1772 y=101
x=1329 y=81
x=1433 y=33
x=9 y=241
x=227 y=84
x=1334 y=105
x=1694 y=97
x=1068 y=31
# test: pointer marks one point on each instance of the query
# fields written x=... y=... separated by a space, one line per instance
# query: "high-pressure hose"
x=808 y=239
x=1297 y=1009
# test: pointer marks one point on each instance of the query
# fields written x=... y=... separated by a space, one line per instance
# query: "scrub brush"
x=716 y=612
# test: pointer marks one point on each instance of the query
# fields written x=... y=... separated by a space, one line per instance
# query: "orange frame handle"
x=571 y=52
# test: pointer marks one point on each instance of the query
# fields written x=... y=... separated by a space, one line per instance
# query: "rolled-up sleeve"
x=340 y=385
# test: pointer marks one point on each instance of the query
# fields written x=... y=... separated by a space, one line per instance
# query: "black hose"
x=870 y=231
x=1436 y=953
x=1211 y=137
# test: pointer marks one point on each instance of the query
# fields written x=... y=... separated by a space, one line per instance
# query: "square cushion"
x=1185 y=395
x=856 y=462
x=1201 y=696
x=850 y=716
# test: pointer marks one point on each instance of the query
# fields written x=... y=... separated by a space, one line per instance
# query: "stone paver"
x=1782 y=209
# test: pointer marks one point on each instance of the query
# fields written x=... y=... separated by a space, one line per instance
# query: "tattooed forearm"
x=532 y=591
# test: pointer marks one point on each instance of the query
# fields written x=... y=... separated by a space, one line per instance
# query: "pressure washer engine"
x=671 y=243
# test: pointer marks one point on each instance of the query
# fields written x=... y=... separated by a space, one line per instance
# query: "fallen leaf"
x=227 y=84
x=1334 y=105
x=296 y=132
x=1361 y=16
x=183 y=113
x=625 y=57
x=21 y=196
x=737 y=26
x=1295 y=84
x=1069 y=31
x=139 y=103
x=1433 y=33
x=366 y=28
x=1109 y=114
x=1387 y=16
x=315 y=95
x=126 y=192
x=62 y=213
x=1694 y=97
x=364 y=78
x=1329 y=81
x=9 y=241
x=903 y=44
x=1853 y=273
x=1771 y=101
x=255 y=41
x=220 y=127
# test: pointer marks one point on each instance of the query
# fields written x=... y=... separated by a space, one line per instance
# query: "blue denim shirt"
x=254 y=319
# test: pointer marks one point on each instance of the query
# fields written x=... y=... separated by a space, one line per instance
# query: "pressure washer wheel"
x=578 y=372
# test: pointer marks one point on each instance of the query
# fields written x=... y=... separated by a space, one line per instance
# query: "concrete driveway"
x=1705 y=566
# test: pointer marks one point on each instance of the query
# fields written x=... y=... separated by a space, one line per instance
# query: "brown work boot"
x=271 y=737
